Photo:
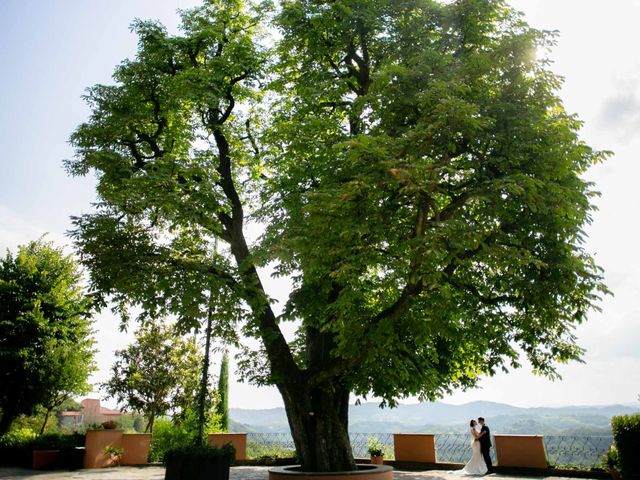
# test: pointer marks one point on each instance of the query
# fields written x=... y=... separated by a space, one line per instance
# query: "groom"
x=485 y=444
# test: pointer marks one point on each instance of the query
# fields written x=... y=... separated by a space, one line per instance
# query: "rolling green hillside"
x=440 y=417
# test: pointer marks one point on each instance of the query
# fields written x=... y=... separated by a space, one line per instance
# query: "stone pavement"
x=237 y=473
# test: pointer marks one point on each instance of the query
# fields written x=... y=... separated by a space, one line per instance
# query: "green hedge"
x=626 y=434
x=167 y=435
x=16 y=447
x=200 y=453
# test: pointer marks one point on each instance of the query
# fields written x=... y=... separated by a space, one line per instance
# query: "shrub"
x=57 y=441
x=17 y=445
x=180 y=430
x=17 y=437
x=168 y=435
x=165 y=436
x=626 y=433
x=268 y=453
x=610 y=459
x=34 y=422
x=374 y=447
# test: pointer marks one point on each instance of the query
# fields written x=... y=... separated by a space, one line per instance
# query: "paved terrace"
x=237 y=473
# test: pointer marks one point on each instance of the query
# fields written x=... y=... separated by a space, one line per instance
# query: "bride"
x=476 y=465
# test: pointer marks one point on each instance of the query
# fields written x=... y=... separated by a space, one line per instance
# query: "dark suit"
x=485 y=446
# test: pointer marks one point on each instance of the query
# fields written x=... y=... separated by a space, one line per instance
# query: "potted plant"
x=109 y=425
x=198 y=462
x=45 y=452
x=114 y=454
x=610 y=460
x=53 y=450
x=375 y=449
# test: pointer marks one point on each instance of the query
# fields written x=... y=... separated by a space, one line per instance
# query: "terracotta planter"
x=44 y=459
x=364 y=472
x=136 y=448
x=414 y=447
x=520 y=451
x=95 y=443
x=207 y=469
x=377 y=460
x=238 y=440
x=110 y=425
x=71 y=458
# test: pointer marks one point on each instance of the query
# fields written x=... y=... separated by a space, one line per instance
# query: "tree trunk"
x=46 y=419
x=204 y=382
x=6 y=419
x=149 y=427
x=319 y=415
x=319 y=422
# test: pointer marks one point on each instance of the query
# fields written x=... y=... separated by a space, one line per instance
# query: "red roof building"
x=90 y=412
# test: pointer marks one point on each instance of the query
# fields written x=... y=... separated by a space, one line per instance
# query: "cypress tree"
x=222 y=408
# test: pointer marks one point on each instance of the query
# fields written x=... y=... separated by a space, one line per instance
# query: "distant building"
x=90 y=412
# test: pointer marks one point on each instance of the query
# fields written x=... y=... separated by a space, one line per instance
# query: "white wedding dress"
x=476 y=465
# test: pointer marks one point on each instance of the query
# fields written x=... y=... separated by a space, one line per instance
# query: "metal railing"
x=581 y=450
x=455 y=448
x=360 y=441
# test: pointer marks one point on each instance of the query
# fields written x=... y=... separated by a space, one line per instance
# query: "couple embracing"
x=480 y=463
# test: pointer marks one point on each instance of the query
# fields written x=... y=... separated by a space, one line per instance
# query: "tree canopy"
x=46 y=344
x=413 y=169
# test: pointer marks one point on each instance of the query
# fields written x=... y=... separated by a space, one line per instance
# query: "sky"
x=51 y=51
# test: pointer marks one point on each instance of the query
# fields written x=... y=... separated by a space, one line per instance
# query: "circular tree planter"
x=364 y=472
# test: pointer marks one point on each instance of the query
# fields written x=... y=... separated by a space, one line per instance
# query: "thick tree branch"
x=496 y=300
x=456 y=204
x=282 y=363
x=207 y=268
x=252 y=140
x=227 y=112
x=152 y=142
x=140 y=160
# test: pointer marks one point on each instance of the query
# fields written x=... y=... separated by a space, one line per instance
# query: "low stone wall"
x=414 y=447
x=95 y=443
x=520 y=451
x=135 y=447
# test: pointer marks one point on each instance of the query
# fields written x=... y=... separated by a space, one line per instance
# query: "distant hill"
x=439 y=417
x=267 y=420
x=239 y=427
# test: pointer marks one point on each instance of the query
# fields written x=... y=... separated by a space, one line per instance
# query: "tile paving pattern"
x=237 y=473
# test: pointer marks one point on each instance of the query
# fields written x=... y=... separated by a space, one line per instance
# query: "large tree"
x=46 y=344
x=412 y=167
x=157 y=373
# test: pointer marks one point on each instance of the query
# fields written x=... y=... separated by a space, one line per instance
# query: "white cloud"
x=620 y=112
